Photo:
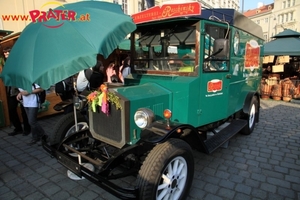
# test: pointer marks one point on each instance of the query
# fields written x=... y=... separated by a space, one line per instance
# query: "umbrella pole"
x=75 y=119
x=75 y=101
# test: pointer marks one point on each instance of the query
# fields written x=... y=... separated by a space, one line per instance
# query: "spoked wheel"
x=66 y=126
x=251 y=117
x=167 y=172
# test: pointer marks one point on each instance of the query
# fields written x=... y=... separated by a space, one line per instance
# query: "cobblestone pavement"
x=263 y=165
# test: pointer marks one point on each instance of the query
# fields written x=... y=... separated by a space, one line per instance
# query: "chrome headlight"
x=143 y=117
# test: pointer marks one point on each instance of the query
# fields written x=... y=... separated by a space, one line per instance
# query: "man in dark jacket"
x=13 y=104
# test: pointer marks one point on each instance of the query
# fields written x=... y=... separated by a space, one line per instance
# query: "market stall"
x=281 y=67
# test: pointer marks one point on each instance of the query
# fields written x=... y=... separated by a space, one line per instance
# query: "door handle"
x=228 y=76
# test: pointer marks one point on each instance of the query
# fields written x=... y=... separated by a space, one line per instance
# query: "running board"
x=224 y=135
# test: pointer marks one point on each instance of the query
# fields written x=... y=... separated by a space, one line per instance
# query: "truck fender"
x=185 y=132
x=246 y=107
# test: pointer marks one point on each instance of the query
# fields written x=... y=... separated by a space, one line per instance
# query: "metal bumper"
x=81 y=171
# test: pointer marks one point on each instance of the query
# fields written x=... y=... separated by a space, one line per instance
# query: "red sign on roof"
x=167 y=11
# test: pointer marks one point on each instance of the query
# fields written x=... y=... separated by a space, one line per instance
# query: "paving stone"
x=226 y=193
x=8 y=195
x=212 y=197
x=227 y=184
x=286 y=192
x=50 y=188
x=258 y=193
x=211 y=188
x=252 y=183
x=241 y=196
x=281 y=169
x=268 y=187
x=196 y=193
x=243 y=189
x=236 y=178
x=222 y=174
x=292 y=179
x=88 y=195
x=278 y=182
x=244 y=174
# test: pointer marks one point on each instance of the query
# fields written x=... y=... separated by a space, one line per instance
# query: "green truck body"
x=194 y=84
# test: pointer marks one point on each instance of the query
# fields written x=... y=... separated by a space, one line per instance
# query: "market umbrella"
x=48 y=52
x=285 y=43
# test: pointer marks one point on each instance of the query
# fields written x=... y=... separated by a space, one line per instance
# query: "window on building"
x=291 y=16
x=288 y=3
x=125 y=6
x=139 y=6
x=286 y=17
x=116 y=1
x=266 y=20
x=283 y=4
x=257 y=21
x=265 y=37
x=293 y=2
x=282 y=20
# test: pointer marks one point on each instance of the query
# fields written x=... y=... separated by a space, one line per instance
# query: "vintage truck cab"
x=194 y=85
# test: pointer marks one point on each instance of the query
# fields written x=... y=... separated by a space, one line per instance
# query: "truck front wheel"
x=66 y=126
x=167 y=172
x=251 y=117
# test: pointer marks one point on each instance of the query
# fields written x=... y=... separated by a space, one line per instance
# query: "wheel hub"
x=174 y=183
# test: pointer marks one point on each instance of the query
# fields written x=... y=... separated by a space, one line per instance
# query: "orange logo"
x=214 y=85
x=252 y=55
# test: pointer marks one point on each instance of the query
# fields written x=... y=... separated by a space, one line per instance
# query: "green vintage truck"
x=194 y=85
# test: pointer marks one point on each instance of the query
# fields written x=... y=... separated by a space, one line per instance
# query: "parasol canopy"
x=51 y=50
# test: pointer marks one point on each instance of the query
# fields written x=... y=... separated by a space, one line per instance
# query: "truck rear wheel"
x=167 y=172
x=66 y=127
x=251 y=117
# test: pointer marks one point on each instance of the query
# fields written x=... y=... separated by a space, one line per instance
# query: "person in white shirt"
x=83 y=79
x=31 y=106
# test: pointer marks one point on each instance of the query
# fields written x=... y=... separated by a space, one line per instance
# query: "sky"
x=252 y=4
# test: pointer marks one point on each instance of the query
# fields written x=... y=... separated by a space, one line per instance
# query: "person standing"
x=83 y=79
x=13 y=103
x=124 y=70
x=31 y=106
x=97 y=77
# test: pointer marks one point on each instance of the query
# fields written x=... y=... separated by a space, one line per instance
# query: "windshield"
x=163 y=50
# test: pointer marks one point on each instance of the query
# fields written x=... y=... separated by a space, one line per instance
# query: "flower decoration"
x=102 y=97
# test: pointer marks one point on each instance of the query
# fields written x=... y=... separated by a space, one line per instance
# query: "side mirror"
x=221 y=48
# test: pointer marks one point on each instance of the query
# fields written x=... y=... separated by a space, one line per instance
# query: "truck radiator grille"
x=112 y=128
x=108 y=126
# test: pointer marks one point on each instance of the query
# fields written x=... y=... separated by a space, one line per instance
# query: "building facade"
x=275 y=17
x=15 y=13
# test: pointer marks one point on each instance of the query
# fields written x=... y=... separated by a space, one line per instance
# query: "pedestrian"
x=64 y=89
x=110 y=71
x=31 y=105
x=83 y=80
x=13 y=103
x=125 y=69
x=97 y=77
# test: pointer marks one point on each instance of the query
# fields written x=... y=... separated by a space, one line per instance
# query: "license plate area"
x=69 y=163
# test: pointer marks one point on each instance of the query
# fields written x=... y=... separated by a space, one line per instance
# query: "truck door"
x=215 y=77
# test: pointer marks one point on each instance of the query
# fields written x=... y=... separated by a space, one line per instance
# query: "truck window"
x=167 y=50
x=216 y=45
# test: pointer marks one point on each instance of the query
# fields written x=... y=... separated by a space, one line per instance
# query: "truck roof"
x=193 y=10
x=234 y=18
